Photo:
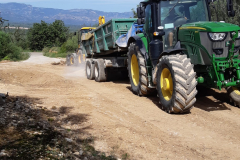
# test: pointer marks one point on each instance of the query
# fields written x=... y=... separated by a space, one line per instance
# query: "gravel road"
x=124 y=123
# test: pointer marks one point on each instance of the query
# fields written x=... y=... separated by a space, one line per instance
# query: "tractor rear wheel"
x=176 y=83
x=137 y=71
x=89 y=70
x=80 y=58
x=234 y=94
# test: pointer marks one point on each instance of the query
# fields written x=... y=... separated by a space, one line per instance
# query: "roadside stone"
x=68 y=140
x=76 y=153
x=81 y=152
x=1 y=101
x=3 y=153
x=85 y=158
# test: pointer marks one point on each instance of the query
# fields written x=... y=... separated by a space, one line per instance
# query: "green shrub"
x=9 y=51
x=45 y=50
x=70 y=46
x=54 y=50
x=4 y=44
x=63 y=48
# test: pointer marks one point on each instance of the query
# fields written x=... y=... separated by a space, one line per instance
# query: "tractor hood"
x=211 y=26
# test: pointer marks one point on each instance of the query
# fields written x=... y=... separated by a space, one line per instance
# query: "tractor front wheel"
x=137 y=71
x=234 y=94
x=176 y=83
x=71 y=59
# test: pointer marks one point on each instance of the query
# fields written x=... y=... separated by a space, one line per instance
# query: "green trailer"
x=101 y=51
x=102 y=40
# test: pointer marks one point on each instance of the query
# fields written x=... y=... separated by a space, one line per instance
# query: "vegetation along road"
x=122 y=122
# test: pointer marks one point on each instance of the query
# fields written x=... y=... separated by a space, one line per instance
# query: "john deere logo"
x=227 y=43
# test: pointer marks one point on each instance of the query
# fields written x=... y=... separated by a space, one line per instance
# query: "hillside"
x=22 y=13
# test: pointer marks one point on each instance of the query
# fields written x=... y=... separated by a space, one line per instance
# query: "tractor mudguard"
x=175 y=50
x=140 y=44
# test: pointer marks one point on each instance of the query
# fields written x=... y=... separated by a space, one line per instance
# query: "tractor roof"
x=88 y=28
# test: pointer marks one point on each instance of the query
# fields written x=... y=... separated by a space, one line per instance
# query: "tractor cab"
x=83 y=32
x=173 y=14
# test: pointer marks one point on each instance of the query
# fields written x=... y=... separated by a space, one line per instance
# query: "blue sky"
x=102 y=5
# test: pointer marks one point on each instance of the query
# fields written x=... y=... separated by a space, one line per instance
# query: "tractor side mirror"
x=230 y=11
x=75 y=33
x=141 y=15
x=141 y=12
x=141 y=21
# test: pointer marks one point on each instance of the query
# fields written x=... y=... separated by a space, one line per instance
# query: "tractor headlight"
x=233 y=34
x=217 y=36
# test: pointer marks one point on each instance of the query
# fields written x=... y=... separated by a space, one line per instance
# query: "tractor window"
x=84 y=30
x=175 y=13
x=190 y=10
x=198 y=13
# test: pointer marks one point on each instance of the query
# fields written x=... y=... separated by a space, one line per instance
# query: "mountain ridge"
x=24 y=13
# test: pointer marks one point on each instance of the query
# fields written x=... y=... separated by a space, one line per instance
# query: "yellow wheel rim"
x=84 y=58
x=79 y=59
x=166 y=84
x=236 y=90
x=71 y=60
x=134 y=70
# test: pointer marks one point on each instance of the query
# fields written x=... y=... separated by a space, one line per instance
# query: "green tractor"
x=181 y=48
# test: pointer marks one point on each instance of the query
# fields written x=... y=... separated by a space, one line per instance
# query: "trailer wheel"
x=234 y=94
x=100 y=74
x=138 y=72
x=176 y=84
x=89 y=69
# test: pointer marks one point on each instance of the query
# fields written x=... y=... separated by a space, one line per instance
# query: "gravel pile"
x=30 y=131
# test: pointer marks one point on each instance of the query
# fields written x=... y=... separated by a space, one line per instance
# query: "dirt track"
x=125 y=123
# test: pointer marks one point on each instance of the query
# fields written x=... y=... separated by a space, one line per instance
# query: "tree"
x=134 y=13
x=219 y=13
x=47 y=35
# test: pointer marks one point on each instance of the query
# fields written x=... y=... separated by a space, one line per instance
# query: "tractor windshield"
x=178 y=12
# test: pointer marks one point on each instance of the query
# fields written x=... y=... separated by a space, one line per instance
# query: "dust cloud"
x=75 y=71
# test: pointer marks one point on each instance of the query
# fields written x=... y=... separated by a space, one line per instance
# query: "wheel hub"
x=166 y=84
x=134 y=70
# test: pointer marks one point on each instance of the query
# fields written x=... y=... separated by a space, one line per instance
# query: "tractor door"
x=148 y=27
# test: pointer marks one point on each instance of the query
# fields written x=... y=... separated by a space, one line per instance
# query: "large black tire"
x=80 y=60
x=179 y=95
x=89 y=70
x=99 y=71
x=138 y=72
x=71 y=59
x=234 y=94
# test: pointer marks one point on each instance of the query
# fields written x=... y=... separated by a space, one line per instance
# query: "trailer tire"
x=99 y=71
x=234 y=94
x=138 y=72
x=89 y=70
x=176 y=83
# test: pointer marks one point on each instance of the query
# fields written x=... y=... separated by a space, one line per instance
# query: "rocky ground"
x=31 y=131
